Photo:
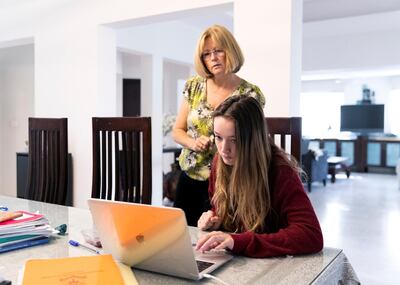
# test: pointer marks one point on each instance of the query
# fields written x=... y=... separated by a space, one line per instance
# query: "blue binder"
x=23 y=244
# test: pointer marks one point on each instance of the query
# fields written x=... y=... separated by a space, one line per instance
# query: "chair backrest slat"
x=48 y=160
x=109 y=165
x=128 y=172
x=103 y=164
x=137 y=148
x=116 y=169
x=290 y=126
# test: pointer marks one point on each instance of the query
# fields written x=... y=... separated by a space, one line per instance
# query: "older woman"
x=217 y=59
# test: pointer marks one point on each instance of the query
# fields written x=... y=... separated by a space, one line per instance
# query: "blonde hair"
x=242 y=195
x=224 y=39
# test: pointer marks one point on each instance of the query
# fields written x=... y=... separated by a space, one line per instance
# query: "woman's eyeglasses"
x=217 y=52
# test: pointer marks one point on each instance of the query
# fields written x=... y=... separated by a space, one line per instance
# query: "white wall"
x=271 y=41
x=353 y=89
x=16 y=105
x=395 y=82
x=172 y=73
x=322 y=86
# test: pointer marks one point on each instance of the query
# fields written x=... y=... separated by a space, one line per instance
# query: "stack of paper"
x=28 y=229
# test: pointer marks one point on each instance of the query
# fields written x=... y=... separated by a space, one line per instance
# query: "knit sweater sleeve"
x=299 y=230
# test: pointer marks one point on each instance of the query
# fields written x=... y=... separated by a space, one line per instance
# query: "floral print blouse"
x=197 y=165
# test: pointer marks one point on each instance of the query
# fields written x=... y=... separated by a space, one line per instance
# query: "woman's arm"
x=179 y=132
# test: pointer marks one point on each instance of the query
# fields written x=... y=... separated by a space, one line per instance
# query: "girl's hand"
x=209 y=221
x=216 y=241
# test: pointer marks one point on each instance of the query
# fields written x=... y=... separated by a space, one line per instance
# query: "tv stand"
x=366 y=153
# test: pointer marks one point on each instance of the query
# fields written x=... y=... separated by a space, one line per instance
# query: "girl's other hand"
x=201 y=143
x=209 y=221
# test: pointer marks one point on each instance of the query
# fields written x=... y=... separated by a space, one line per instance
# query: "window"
x=321 y=113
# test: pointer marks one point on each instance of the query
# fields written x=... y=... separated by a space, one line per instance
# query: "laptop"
x=152 y=238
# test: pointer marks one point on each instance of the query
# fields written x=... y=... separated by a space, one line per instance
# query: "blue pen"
x=75 y=243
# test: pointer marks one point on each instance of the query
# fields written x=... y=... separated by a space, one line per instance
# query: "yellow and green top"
x=197 y=165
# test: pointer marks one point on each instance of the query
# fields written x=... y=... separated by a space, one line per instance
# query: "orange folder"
x=5 y=216
x=85 y=270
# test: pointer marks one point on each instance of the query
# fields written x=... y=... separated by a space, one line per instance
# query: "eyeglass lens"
x=216 y=52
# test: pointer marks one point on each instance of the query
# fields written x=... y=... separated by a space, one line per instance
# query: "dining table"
x=329 y=266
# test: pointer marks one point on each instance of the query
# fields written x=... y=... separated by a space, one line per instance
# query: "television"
x=363 y=118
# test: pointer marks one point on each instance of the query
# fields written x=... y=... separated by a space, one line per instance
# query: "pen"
x=75 y=243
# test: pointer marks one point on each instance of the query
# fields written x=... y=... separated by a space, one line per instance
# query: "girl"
x=255 y=190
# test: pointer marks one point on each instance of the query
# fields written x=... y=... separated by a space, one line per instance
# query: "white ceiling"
x=313 y=10
x=318 y=10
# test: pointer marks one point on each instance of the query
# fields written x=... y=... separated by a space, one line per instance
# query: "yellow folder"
x=85 y=270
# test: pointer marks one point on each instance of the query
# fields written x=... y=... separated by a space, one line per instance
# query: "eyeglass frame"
x=217 y=52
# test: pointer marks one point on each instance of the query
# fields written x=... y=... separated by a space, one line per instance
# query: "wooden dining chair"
x=122 y=159
x=48 y=160
x=281 y=129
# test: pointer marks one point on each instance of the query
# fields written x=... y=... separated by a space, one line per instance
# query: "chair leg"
x=309 y=186
x=333 y=177
x=324 y=182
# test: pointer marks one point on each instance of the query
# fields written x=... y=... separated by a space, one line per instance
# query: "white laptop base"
x=150 y=238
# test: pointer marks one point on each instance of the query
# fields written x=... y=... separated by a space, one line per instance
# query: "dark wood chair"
x=48 y=160
x=283 y=128
x=122 y=159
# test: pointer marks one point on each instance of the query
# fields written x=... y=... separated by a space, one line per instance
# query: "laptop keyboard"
x=203 y=265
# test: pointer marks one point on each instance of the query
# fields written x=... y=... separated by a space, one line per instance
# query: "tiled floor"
x=361 y=215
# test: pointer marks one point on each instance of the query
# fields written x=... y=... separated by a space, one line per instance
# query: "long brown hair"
x=242 y=195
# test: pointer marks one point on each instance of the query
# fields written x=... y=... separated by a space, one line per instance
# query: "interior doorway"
x=131 y=97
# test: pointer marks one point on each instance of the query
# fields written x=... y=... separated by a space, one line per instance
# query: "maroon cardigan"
x=292 y=229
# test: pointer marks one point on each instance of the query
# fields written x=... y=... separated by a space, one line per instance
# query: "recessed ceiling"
x=313 y=10
x=319 y=10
